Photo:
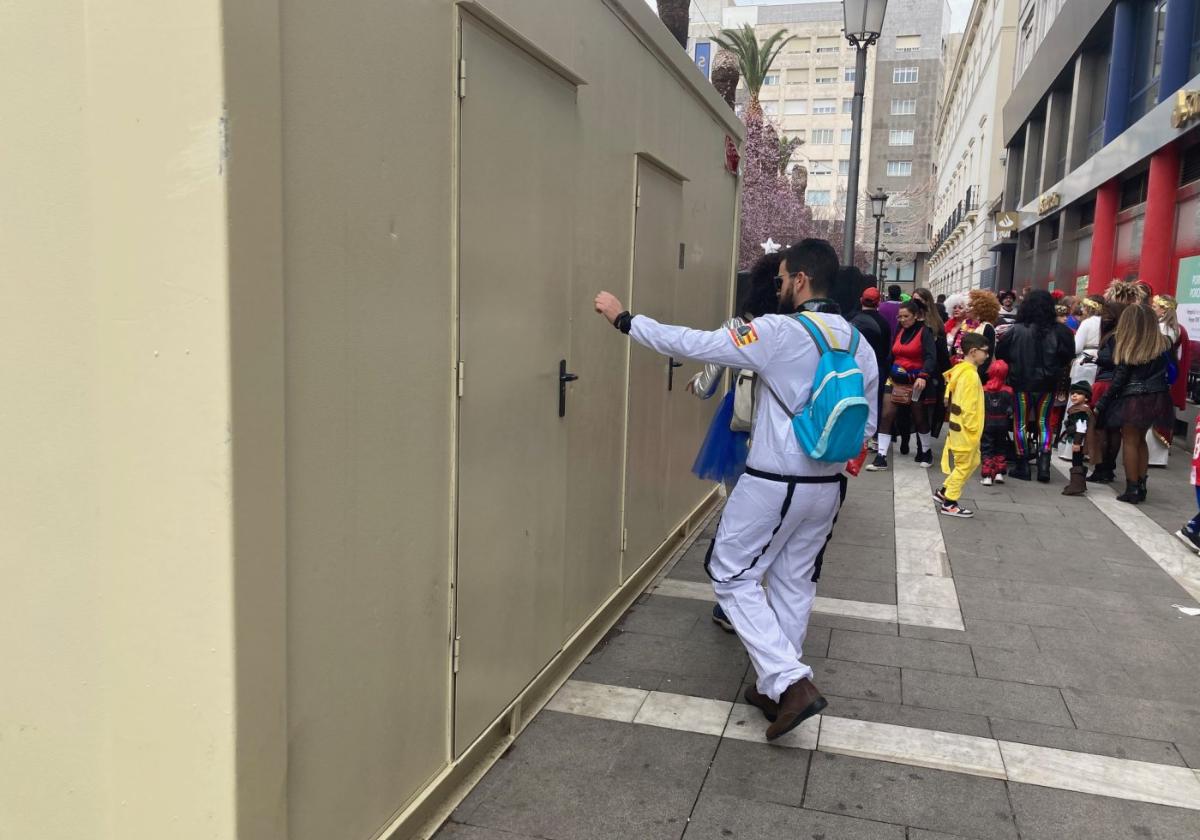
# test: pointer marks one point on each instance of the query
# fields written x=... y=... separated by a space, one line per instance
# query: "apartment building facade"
x=808 y=93
x=969 y=148
x=1103 y=148
x=908 y=84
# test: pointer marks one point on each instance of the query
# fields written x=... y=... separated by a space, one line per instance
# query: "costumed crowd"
x=824 y=369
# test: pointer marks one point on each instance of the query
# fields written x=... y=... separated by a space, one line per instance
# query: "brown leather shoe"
x=765 y=704
x=796 y=705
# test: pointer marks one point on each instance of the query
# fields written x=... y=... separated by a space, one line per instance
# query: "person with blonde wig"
x=979 y=315
x=1139 y=397
x=1159 y=438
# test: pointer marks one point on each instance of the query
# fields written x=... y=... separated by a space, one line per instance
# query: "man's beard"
x=787 y=302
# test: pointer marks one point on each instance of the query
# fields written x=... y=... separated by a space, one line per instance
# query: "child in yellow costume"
x=964 y=417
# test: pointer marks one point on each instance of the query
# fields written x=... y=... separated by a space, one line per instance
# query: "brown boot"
x=1078 y=484
x=796 y=705
x=765 y=704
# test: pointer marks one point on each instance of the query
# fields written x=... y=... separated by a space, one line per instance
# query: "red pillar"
x=1104 y=237
x=1158 y=236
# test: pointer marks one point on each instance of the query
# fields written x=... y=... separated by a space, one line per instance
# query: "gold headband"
x=1166 y=302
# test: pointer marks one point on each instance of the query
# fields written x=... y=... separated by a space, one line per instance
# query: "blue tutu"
x=722 y=456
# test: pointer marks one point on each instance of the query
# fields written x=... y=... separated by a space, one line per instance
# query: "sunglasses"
x=780 y=278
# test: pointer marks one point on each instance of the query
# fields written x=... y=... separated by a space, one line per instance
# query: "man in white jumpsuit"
x=782 y=511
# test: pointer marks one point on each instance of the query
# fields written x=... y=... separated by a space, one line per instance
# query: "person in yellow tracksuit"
x=964 y=417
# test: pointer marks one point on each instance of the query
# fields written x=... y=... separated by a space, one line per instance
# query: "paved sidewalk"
x=1067 y=707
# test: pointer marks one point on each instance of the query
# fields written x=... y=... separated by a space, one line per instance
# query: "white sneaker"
x=986 y=481
x=999 y=478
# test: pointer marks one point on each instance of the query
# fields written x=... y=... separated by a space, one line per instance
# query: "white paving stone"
x=940 y=617
x=1102 y=775
x=926 y=591
x=695 y=590
x=587 y=699
x=746 y=723
x=689 y=714
x=908 y=745
x=855 y=609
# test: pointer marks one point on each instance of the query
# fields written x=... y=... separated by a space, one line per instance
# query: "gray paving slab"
x=459 y=831
x=1048 y=593
x=1143 y=622
x=856 y=679
x=861 y=625
x=1077 y=740
x=1047 y=814
x=758 y=772
x=911 y=796
x=1159 y=720
x=902 y=651
x=731 y=818
x=1190 y=753
x=578 y=778
x=922 y=834
x=659 y=615
x=711 y=687
x=1083 y=670
x=1000 y=634
x=702 y=655
x=973 y=695
x=1113 y=645
x=1034 y=615
x=857 y=589
x=914 y=716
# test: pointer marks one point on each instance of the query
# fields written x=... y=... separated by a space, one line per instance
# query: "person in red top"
x=914 y=361
x=997 y=424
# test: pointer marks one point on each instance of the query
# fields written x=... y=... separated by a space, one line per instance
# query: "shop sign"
x=1007 y=224
x=1187 y=291
x=1187 y=107
x=1081 y=286
x=1048 y=202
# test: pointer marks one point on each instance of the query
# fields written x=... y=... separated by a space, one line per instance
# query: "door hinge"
x=637 y=197
x=462 y=367
x=462 y=78
x=457 y=655
x=624 y=538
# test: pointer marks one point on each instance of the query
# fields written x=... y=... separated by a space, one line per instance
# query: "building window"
x=905 y=75
x=797 y=76
x=901 y=136
x=829 y=45
x=848 y=104
x=848 y=74
x=771 y=109
x=1149 y=26
x=904 y=107
x=899 y=168
x=826 y=76
x=824 y=106
x=822 y=137
x=817 y=198
x=795 y=106
x=771 y=79
x=1195 y=68
x=843 y=167
x=908 y=43
x=847 y=133
x=822 y=167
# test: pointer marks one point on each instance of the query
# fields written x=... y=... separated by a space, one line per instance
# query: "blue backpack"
x=832 y=427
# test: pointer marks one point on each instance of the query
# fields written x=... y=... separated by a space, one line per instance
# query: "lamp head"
x=863 y=20
x=878 y=202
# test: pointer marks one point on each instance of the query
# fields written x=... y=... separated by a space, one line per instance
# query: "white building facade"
x=969 y=150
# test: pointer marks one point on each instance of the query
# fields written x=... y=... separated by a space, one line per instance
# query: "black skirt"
x=1141 y=411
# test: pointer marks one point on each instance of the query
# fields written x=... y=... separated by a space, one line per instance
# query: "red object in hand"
x=732 y=158
x=855 y=467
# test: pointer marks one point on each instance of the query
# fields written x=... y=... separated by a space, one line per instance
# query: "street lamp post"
x=878 y=203
x=864 y=22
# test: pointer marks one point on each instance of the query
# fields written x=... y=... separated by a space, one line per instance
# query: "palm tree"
x=674 y=14
x=725 y=75
x=754 y=60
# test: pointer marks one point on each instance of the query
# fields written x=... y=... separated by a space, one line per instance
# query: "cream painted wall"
x=117 y=716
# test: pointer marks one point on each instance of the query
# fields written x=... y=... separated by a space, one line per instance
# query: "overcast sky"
x=959 y=9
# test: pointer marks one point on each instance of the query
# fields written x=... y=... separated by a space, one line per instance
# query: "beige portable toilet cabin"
x=304 y=516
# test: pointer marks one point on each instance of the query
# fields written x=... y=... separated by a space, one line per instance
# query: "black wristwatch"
x=623 y=322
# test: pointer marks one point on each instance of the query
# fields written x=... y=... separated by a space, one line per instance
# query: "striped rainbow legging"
x=1033 y=407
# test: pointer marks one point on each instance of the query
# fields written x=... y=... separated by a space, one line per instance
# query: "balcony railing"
x=968 y=205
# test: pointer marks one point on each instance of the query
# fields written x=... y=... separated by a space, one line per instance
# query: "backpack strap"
x=816 y=331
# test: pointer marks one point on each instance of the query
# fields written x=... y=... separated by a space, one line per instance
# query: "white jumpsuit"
x=782 y=511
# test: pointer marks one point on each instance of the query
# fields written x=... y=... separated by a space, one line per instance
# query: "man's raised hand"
x=608 y=306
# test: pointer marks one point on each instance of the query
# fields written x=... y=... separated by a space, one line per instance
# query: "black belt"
x=795 y=479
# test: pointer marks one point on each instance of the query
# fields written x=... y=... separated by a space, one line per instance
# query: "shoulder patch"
x=743 y=335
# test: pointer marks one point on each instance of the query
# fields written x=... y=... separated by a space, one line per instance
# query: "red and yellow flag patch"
x=743 y=335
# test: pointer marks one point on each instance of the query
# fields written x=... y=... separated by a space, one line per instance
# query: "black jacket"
x=1036 y=359
x=875 y=330
x=1133 y=380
